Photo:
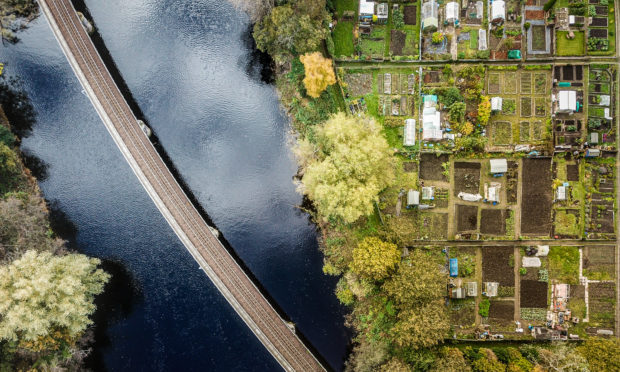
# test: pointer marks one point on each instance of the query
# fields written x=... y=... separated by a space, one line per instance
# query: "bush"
x=437 y=37
x=398 y=19
x=483 y=54
x=523 y=271
x=461 y=55
x=549 y=5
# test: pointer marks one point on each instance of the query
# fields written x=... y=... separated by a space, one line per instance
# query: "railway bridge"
x=199 y=239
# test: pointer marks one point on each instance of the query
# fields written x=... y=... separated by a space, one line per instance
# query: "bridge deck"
x=170 y=199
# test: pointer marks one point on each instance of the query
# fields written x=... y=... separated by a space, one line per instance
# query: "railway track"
x=162 y=187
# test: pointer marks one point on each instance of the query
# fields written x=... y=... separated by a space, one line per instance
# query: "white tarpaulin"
x=543 y=250
x=531 y=262
x=470 y=197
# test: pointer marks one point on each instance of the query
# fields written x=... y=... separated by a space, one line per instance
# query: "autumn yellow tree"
x=351 y=163
x=319 y=73
x=484 y=110
x=421 y=326
x=374 y=259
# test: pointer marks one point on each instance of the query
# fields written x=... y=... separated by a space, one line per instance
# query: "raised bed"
x=540 y=107
x=599 y=22
x=598 y=32
x=524 y=131
x=526 y=106
x=510 y=83
x=526 y=82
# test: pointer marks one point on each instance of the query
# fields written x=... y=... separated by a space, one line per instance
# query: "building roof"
x=499 y=165
x=452 y=11
x=413 y=197
x=367 y=7
x=482 y=39
x=428 y=193
x=429 y=14
x=496 y=103
x=472 y=289
x=560 y=193
x=605 y=100
x=431 y=124
x=498 y=10
x=490 y=288
x=568 y=101
x=593 y=138
x=382 y=10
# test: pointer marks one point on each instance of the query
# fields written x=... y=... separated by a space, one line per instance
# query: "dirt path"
x=478 y=280
x=517 y=208
x=451 y=204
x=517 y=256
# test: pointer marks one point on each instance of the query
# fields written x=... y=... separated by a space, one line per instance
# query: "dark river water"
x=193 y=73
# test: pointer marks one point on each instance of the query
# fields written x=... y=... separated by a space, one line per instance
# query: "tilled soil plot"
x=599 y=259
x=512 y=182
x=533 y=294
x=410 y=166
x=502 y=312
x=493 y=222
x=467 y=217
x=359 y=84
x=572 y=172
x=431 y=167
x=537 y=199
x=466 y=178
x=496 y=265
x=602 y=297
x=411 y=13
x=397 y=42
x=577 y=291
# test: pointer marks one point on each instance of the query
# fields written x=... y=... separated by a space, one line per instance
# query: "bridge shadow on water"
x=119 y=285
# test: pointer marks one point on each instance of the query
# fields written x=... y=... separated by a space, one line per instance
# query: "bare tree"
x=256 y=9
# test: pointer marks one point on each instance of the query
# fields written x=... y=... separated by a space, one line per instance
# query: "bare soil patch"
x=537 y=199
x=496 y=265
x=431 y=167
x=411 y=15
x=359 y=84
x=533 y=294
x=410 y=166
x=572 y=172
x=466 y=177
x=467 y=217
x=493 y=222
x=502 y=311
x=398 y=42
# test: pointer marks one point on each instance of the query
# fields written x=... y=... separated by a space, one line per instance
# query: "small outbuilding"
x=593 y=153
x=409 y=133
x=428 y=193
x=413 y=197
x=452 y=12
x=496 y=103
x=489 y=289
x=431 y=125
x=429 y=15
x=593 y=138
x=472 y=289
x=498 y=166
x=567 y=101
x=366 y=10
x=560 y=193
x=498 y=11
x=382 y=13
x=458 y=293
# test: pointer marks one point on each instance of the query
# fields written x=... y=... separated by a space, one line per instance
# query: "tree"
x=41 y=293
x=8 y=162
x=562 y=359
x=285 y=32
x=601 y=354
x=457 y=112
x=319 y=73
x=421 y=326
x=449 y=96
x=395 y=365
x=366 y=356
x=484 y=110
x=256 y=9
x=351 y=165
x=374 y=259
x=451 y=359
x=418 y=281
x=471 y=143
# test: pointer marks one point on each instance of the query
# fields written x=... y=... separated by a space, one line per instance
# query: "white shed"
x=472 y=289
x=568 y=101
x=452 y=12
x=482 y=39
x=498 y=11
x=489 y=289
x=496 y=103
x=429 y=15
x=498 y=166
x=560 y=193
x=382 y=11
x=413 y=197
x=428 y=193
x=409 y=134
x=367 y=8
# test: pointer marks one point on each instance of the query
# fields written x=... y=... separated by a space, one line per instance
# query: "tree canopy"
x=351 y=163
x=319 y=73
x=484 y=110
x=601 y=354
x=41 y=293
x=374 y=259
x=417 y=281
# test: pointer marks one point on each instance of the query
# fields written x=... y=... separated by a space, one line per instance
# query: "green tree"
x=417 y=281
x=448 y=96
x=395 y=365
x=8 y=162
x=374 y=259
x=41 y=293
x=484 y=110
x=350 y=165
x=457 y=112
x=601 y=354
x=421 y=326
x=285 y=32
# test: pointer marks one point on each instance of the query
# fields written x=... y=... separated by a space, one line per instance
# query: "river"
x=192 y=71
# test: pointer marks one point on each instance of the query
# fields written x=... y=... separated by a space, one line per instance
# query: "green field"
x=343 y=39
x=566 y=47
x=343 y=5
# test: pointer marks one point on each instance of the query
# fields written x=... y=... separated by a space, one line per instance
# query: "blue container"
x=454 y=267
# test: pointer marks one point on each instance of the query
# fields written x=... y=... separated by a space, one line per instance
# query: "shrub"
x=483 y=308
x=437 y=37
x=523 y=271
x=398 y=19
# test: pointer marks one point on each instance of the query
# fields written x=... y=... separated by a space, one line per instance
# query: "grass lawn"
x=566 y=47
x=343 y=5
x=343 y=39
x=502 y=133
x=566 y=223
x=411 y=42
x=564 y=264
x=473 y=39
x=374 y=44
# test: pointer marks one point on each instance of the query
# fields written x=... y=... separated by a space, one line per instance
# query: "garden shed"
x=367 y=10
x=428 y=193
x=458 y=293
x=496 y=103
x=498 y=166
x=382 y=13
x=560 y=193
x=472 y=289
x=482 y=39
x=430 y=20
x=489 y=289
x=593 y=153
x=593 y=138
x=452 y=12
x=567 y=101
x=413 y=197
x=498 y=11
x=409 y=134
